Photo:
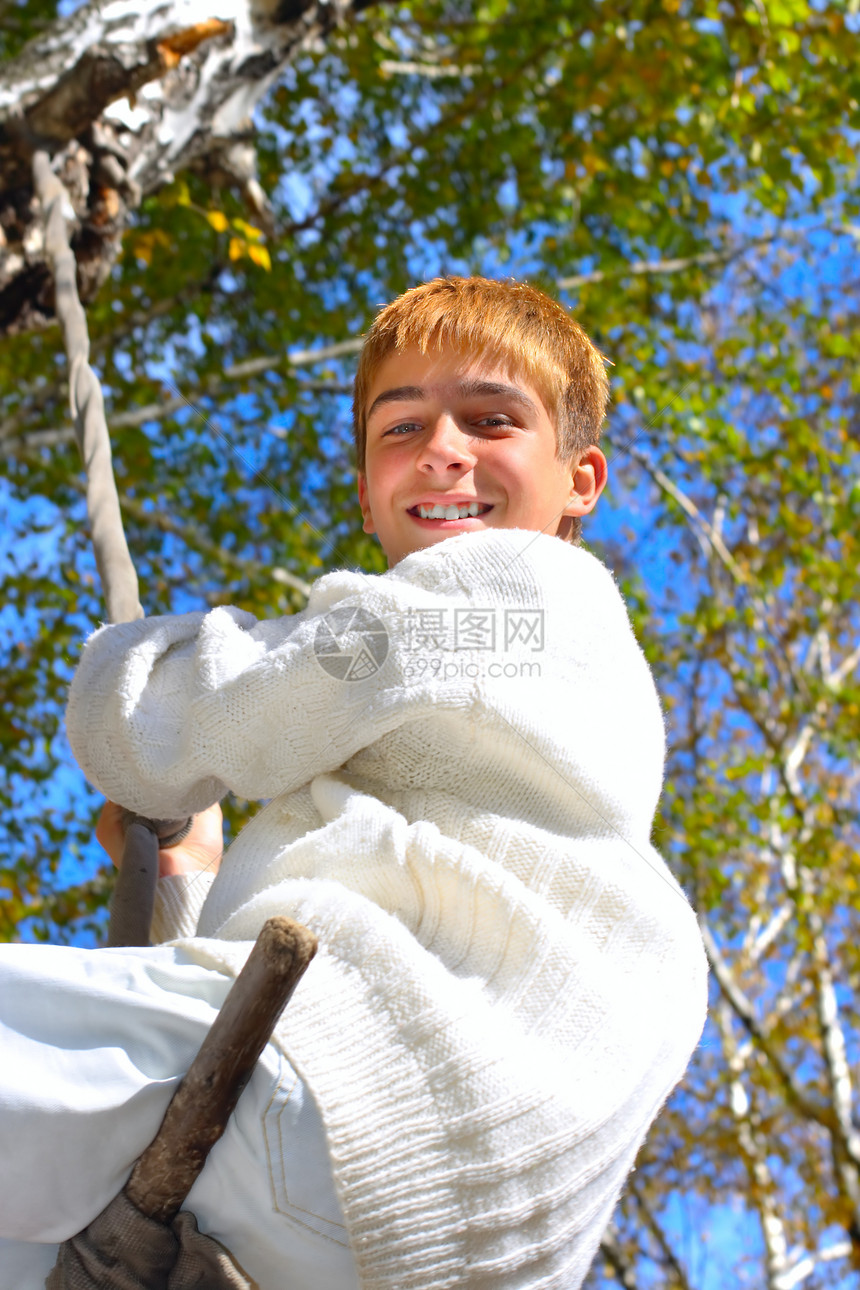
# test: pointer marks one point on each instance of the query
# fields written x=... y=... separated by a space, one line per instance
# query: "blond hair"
x=507 y=320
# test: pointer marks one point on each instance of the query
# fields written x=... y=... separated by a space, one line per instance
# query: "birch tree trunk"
x=125 y=94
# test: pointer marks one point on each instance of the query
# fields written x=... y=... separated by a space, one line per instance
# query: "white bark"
x=124 y=94
x=754 y=1153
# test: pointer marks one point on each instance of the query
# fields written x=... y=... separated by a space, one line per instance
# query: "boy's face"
x=456 y=431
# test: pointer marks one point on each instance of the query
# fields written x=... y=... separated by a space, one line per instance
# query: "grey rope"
x=134 y=893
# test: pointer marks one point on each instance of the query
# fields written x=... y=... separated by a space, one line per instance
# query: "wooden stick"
x=201 y=1106
x=134 y=892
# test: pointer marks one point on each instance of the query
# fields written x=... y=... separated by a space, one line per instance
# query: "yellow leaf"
x=260 y=255
x=218 y=220
x=183 y=194
x=237 y=248
x=593 y=162
x=251 y=233
x=144 y=245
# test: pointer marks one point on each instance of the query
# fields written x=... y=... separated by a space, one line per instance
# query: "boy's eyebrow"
x=465 y=389
x=495 y=389
x=399 y=394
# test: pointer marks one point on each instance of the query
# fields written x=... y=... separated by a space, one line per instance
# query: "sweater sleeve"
x=179 y=899
x=166 y=715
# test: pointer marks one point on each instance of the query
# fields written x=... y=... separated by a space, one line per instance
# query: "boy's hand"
x=201 y=849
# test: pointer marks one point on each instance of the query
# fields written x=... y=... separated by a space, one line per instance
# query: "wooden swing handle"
x=201 y=1106
x=134 y=894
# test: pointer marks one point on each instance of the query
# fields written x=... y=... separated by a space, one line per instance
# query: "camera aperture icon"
x=351 y=643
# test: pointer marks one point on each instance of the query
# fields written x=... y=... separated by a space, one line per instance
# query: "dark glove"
x=122 y=1249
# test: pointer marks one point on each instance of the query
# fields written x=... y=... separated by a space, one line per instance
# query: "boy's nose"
x=446 y=446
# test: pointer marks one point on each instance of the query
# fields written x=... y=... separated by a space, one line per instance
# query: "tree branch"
x=755 y=1158
x=652 y=268
x=808 y=1263
x=617 y=1260
x=833 y=680
x=710 y=539
x=844 y=1136
x=709 y=531
x=656 y=268
x=33 y=397
x=745 y=1013
x=765 y=938
x=210 y=387
x=197 y=541
x=846 y=1154
x=652 y=1223
x=432 y=71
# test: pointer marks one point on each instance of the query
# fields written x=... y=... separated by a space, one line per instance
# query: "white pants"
x=92 y=1046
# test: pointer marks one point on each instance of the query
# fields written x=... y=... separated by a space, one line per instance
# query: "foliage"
x=20 y=22
x=685 y=177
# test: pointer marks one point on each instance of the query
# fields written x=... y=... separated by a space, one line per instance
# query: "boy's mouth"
x=449 y=511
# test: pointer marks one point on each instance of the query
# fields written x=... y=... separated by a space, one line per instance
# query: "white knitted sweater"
x=510 y=981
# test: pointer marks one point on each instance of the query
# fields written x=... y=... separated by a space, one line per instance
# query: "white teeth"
x=439 y=512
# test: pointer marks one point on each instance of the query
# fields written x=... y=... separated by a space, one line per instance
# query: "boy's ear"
x=364 y=503
x=588 y=479
x=589 y=473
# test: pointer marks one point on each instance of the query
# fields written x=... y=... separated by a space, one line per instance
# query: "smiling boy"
x=479 y=394
x=510 y=981
x=449 y=431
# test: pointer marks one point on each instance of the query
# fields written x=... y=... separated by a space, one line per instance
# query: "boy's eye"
x=403 y=428
x=498 y=421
